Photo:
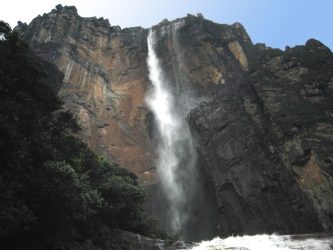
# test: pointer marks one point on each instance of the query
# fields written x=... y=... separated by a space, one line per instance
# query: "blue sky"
x=275 y=22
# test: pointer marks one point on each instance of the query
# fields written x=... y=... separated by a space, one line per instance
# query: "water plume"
x=176 y=156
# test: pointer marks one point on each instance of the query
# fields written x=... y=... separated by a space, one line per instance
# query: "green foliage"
x=69 y=190
x=10 y=39
x=49 y=180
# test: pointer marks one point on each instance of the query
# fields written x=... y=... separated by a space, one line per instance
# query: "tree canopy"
x=51 y=182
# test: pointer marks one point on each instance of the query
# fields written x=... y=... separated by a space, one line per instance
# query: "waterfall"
x=176 y=156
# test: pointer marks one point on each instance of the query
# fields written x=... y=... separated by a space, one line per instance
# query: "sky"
x=277 y=23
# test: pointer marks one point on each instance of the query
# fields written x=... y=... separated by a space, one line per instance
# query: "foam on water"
x=265 y=242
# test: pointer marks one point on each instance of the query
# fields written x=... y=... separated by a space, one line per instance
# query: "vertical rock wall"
x=105 y=80
x=261 y=117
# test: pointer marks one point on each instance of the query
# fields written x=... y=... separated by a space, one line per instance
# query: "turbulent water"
x=266 y=242
x=176 y=155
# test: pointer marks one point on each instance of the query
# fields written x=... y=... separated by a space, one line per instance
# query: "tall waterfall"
x=176 y=156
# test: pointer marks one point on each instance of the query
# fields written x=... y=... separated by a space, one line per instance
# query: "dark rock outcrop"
x=262 y=118
x=263 y=139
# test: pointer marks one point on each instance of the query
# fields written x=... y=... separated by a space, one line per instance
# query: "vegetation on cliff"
x=53 y=188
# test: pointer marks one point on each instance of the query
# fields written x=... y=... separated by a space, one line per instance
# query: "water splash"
x=176 y=154
x=266 y=242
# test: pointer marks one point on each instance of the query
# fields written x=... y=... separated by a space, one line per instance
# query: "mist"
x=176 y=154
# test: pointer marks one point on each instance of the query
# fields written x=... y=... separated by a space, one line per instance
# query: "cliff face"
x=262 y=118
x=266 y=140
x=104 y=84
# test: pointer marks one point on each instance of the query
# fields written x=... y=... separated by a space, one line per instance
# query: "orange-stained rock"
x=104 y=83
x=261 y=118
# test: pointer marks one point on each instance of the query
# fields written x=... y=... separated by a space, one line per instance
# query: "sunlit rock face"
x=260 y=119
x=105 y=80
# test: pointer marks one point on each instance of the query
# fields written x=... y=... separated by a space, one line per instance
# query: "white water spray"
x=266 y=242
x=176 y=155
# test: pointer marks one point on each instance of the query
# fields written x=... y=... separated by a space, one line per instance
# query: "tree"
x=50 y=181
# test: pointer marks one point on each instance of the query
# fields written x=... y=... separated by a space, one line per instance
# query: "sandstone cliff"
x=261 y=117
x=105 y=79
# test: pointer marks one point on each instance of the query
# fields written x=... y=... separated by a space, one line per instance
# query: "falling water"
x=176 y=161
x=176 y=156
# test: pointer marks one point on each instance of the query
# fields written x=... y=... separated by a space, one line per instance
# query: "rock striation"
x=105 y=80
x=262 y=118
x=262 y=137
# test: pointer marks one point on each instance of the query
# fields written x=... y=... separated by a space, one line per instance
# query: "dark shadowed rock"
x=259 y=137
x=262 y=118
